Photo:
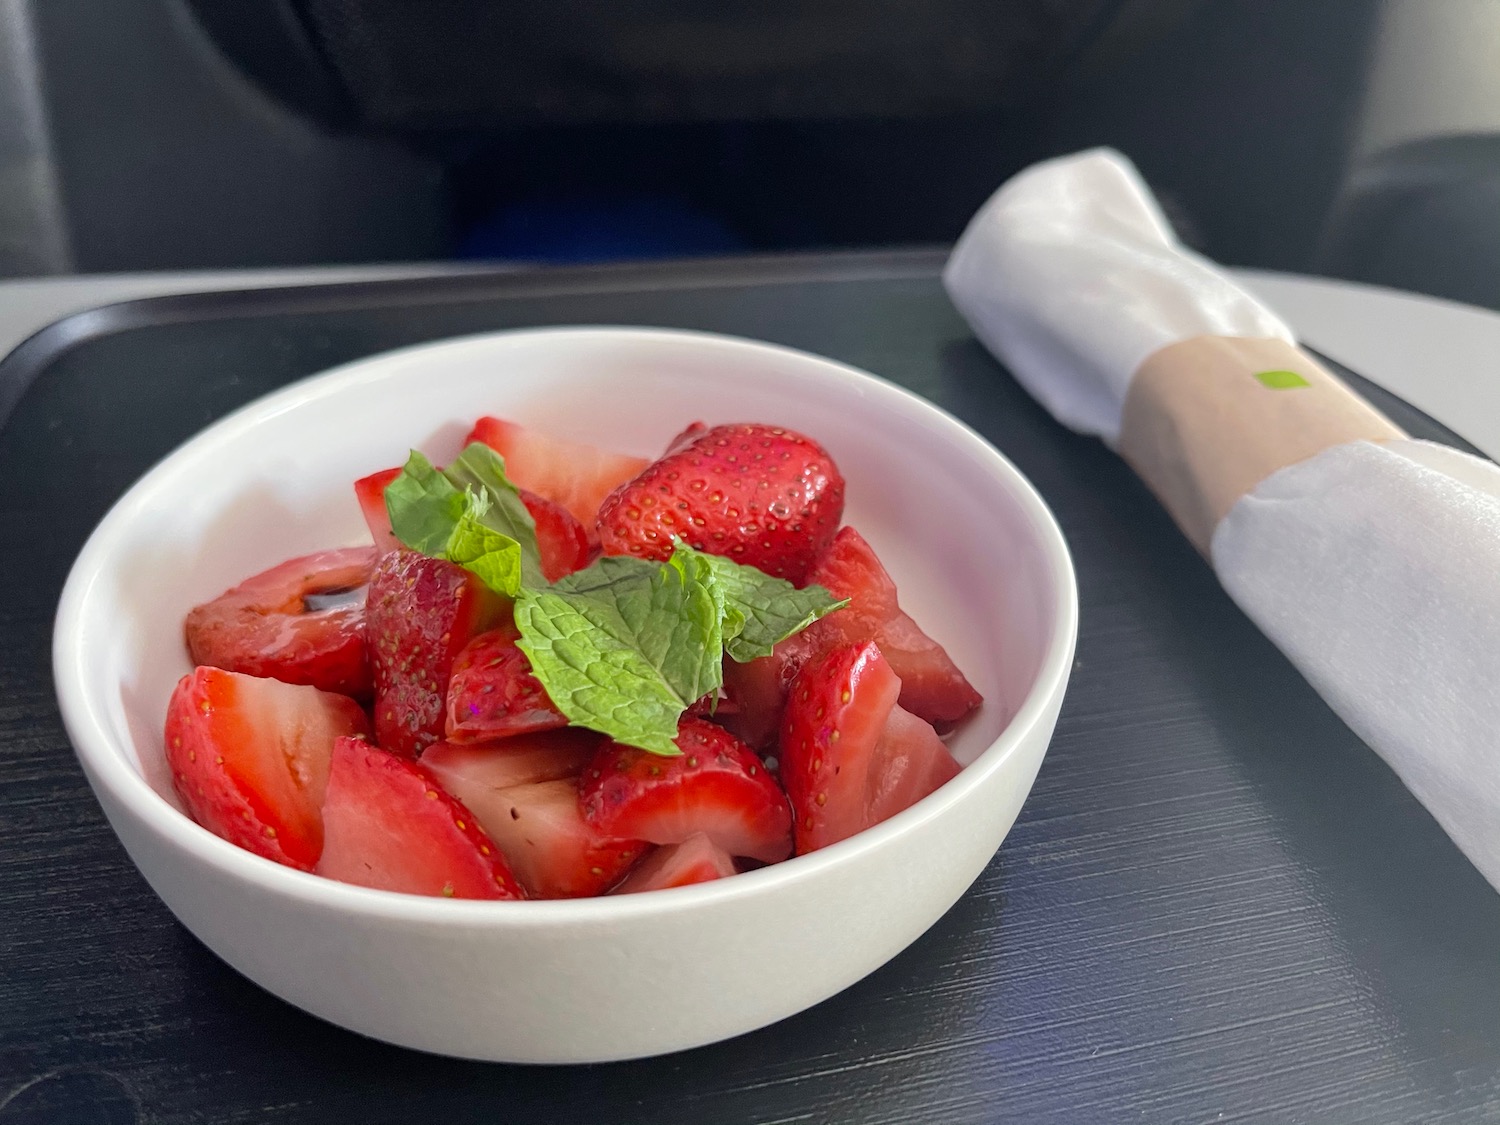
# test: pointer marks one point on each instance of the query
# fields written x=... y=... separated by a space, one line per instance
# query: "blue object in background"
x=632 y=228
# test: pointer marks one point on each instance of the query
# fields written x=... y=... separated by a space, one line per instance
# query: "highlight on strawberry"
x=563 y=671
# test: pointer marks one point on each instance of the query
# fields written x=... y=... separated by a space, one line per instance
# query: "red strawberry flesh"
x=910 y=762
x=572 y=474
x=421 y=612
x=370 y=491
x=932 y=687
x=716 y=786
x=471 y=773
x=249 y=759
x=562 y=542
x=389 y=825
x=695 y=860
x=851 y=756
x=758 y=688
x=553 y=850
x=834 y=720
x=273 y=624
x=493 y=694
x=761 y=495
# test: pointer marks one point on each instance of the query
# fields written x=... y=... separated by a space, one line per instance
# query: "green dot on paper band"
x=1281 y=380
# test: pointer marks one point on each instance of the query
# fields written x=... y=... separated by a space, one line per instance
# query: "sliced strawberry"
x=759 y=494
x=572 y=474
x=554 y=852
x=932 y=687
x=716 y=786
x=910 y=761
x=758 y=688
x=370 y=491
x=388 y=824
x=493 y=694
x=471 y=773
x=834 y=719
x=421 y=611
x=561 y=541
x=851 y=565
x=302 y=622
x=249 y=758
x=695 y=860
x=850 y=756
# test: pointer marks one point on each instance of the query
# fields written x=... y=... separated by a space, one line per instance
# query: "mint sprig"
x=624 y=646
x=760 y=611
x=469 y=514
x=479 y=467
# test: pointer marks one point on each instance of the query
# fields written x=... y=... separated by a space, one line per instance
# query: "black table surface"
x=1217 y=905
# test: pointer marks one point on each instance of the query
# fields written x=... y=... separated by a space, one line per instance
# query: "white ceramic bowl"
x=978 y=559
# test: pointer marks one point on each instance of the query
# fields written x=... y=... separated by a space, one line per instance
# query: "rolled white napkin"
x=1370 y=564
x=1071 y=275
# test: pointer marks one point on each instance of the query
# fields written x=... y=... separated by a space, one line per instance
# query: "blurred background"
x=1352 y=138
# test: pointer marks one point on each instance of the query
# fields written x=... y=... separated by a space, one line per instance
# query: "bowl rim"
x=105 y=761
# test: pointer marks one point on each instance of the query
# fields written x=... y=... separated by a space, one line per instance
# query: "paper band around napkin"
x=1207 y=419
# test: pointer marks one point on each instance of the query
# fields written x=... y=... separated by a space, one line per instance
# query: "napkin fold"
x=1368 y=558
x=1071 y=275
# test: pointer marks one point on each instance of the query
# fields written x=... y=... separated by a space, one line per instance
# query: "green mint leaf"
x=458 y=522
x=497 y=559
x=470 y=514
x=480 y=468
x=624 y=646
x=759 y=611
x=424 y=506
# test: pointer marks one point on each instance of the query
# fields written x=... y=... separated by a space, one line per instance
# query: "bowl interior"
x=963 y=535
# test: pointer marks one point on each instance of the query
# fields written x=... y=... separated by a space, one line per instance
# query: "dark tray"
x=1217 y=904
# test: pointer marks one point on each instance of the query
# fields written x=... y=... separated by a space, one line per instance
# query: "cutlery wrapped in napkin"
x=1372 y=560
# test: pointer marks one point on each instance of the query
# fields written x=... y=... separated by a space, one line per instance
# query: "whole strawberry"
x=760 y=495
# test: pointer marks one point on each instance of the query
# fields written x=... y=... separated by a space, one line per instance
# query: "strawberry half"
x=388 y=824
x=562 y=543
x=716 y=786
x=850 y=755
x=910 y=761
x=471 y=773
x=493 y=694
x=421 y=612
x=249 y=759
x=276 y=624
x=695 y=860
x=370 y=492
x=932 y=687
x=758 y=494
x=553 y=850
x=569 y=473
